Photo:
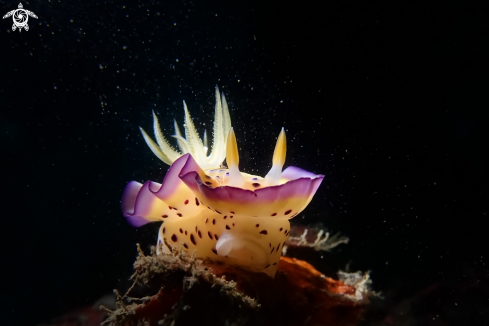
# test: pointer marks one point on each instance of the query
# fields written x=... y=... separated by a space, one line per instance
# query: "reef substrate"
x=179 y=289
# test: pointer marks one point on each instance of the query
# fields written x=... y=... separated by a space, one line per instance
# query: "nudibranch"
x=219 y=213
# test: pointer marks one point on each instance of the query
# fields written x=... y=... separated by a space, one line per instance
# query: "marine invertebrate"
x=315 y=238
x=220 y=213
x=192 y=143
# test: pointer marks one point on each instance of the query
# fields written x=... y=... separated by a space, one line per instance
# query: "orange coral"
x=192 y=291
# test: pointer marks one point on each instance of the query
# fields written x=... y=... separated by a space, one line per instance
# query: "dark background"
x=388 y=99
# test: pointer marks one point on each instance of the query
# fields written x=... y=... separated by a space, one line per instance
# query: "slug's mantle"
x=222 y=214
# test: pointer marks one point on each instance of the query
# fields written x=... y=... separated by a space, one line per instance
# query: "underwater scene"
x=244 y=163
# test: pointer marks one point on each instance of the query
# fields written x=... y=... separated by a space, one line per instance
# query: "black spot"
x=164 y=216
x=225 y=217
x=214 y=251
x=281 y=229
x=274 y=214
x=285 y=231
x=207 y=177
x=233 y=224
x=231 y=216
x=270 y=244
x=274 y=263
x=179 y=214
x=181 y=231
x=208 y=183
x=164 y=229
x=216 y=237
x=267 y=266
x=196 y=201
x=288 y=212
x=174 y=238
x=263 y=232
x=213 y=221
x=218 y=212
x=232 y=212
x=185 y=245
x=272 y=250
x=207 y=219
x=193 y=239
x=185 y=232
x=227 y=227
x=186 y=202
x=210 y=235
x=258 y=225
x=255 y=184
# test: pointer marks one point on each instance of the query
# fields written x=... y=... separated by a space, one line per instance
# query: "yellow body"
x=218 y=213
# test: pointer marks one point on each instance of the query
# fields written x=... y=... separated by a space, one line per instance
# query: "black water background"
x=388 y=100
